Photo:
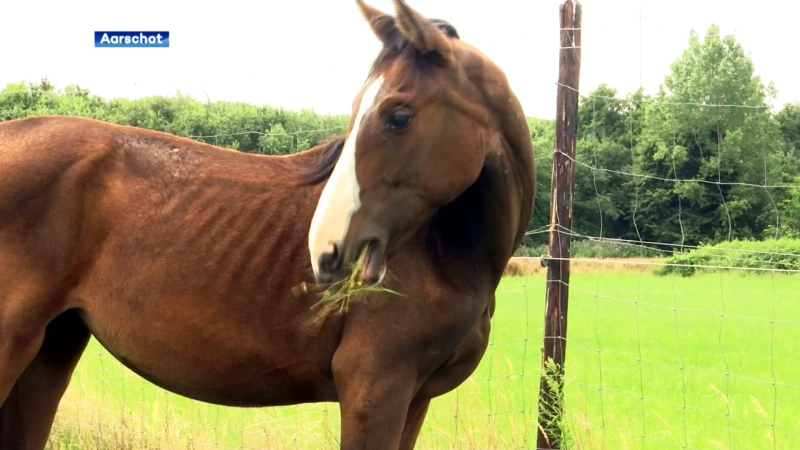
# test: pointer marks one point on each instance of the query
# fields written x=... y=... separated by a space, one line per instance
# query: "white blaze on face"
x=340 y=198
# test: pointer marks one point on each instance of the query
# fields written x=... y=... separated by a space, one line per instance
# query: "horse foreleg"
x=373 y=411
x=27 y=415
x=414 y=419
x=19 y=344
x=374 y=394
x=21 y=336
x=377 y=401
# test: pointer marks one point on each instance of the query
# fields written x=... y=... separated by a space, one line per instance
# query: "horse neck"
x=473 y=236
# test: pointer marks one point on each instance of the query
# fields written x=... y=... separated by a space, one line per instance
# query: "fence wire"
x=687 y=345
x=654 y=360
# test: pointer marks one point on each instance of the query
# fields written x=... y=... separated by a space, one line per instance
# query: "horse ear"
x=422 y=32
x=382 y=24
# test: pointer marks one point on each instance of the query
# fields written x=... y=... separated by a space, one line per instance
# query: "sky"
x=315 y=53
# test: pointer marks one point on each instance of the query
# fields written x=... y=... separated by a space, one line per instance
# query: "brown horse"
x=181 y=257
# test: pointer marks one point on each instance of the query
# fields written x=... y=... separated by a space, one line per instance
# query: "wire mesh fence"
x=684 y=307
x=683 y=341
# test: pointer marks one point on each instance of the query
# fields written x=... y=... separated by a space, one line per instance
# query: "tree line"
x=705 y=159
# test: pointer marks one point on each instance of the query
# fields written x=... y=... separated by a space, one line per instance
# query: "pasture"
x=707 y=362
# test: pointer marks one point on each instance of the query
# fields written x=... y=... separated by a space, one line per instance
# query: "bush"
x=590 y=248
x=768 y=254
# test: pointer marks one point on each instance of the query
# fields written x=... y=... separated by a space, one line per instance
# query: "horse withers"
x=181 y=258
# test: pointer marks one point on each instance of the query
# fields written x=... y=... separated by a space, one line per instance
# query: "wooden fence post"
x=558 y=261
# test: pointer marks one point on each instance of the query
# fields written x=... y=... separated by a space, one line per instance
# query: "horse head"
x=423 y=125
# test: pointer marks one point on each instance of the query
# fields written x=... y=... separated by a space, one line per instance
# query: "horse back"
x=74 y=158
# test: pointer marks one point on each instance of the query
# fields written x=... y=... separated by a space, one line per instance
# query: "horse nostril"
x=331 y=261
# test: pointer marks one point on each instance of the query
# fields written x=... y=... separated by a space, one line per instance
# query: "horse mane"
x=322 y=167
x=396 y=46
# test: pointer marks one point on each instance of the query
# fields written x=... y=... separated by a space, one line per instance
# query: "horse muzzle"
x=365 y=261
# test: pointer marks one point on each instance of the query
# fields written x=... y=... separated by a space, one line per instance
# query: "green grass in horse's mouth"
x=338 y=296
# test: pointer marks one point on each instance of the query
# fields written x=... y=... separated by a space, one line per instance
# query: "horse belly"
x=201 y=348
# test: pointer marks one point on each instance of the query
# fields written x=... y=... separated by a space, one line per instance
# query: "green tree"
x=789 y=120
x=543 y=141
x=608 y=130
x=721 y=154
x=787 y=222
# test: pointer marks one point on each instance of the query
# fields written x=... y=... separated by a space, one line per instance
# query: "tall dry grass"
x=524 y=266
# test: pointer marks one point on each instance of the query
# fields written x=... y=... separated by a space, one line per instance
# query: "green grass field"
x=709 y=362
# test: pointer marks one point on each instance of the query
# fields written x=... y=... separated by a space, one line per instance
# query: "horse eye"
x=398 y=121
